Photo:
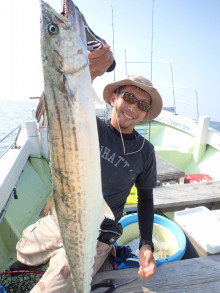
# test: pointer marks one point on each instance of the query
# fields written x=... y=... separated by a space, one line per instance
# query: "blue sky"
x=185 y=35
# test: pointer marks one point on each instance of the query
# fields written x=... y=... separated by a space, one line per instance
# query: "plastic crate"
x=132 y=198
x=202 y=227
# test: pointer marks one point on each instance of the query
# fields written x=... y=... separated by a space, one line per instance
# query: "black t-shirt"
x=120 y=172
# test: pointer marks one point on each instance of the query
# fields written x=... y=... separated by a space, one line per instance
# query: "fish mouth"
x=94 y=41
x=65 y=10
x=68 y=8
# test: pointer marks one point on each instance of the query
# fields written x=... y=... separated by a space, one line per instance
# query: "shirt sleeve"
x=99 y=125
x=146 y=216
x=148 y=177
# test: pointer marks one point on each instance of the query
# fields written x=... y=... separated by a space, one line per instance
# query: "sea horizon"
x=14 y=112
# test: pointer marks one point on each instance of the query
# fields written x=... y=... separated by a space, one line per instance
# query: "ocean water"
x=14 y=113
x=215 y=125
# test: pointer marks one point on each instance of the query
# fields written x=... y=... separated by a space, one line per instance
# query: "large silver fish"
x=73 y=139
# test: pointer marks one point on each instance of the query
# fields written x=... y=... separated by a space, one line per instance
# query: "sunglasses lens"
x=129 y=98
x=144 y=106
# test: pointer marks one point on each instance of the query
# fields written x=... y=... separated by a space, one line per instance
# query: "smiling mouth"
x=128 y=116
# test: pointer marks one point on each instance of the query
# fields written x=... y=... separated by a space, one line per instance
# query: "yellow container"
x=132 y=198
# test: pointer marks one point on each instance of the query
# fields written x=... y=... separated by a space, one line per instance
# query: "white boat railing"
x=14 y=160
x=14 y=142
x=175 y=100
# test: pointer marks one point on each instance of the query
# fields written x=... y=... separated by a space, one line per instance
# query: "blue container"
x=2 y=289
x=164 y=226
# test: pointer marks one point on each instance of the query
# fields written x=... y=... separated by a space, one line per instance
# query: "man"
x=126 y=158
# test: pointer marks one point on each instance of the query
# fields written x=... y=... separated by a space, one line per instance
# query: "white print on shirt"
x=113 y=158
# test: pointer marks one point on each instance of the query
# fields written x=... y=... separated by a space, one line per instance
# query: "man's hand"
x=99 y=61
x=147 y=264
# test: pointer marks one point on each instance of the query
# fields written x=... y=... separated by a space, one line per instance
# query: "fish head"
x=63 y=39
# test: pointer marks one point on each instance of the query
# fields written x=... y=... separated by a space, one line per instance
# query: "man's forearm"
x=146 y=216
x=99 y=61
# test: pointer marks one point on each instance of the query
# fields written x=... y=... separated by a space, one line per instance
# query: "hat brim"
x=156 y=104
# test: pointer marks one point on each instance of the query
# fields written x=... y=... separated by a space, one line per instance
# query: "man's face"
x=128 y=114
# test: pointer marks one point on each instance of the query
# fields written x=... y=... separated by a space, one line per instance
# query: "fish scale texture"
x=73 y=139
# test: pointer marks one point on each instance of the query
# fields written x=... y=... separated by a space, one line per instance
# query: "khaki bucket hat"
x=144 y=84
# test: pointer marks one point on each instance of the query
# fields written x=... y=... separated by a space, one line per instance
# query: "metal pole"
x=126 y=72
x=190 y=89
x=1 y=139
x=113 y=38
x=196 y=97
x=171 y=71
x=174 y=98
x=197 y=104
x=152 y=38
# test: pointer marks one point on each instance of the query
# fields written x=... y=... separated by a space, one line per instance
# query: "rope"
x=22 y=272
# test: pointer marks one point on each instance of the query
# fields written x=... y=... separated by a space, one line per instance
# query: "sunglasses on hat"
x=131 y=99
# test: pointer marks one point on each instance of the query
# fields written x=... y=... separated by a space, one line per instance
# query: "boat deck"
x=166 y=172
x=188 y=275
x=175 y=197
x=191 y=275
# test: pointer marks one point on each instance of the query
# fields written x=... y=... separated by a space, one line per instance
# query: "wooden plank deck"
x=186 y=276
x=179 y=196
x=167 y=172
x=186 y=195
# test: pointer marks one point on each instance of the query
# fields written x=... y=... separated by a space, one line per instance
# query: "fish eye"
x=53 y=29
